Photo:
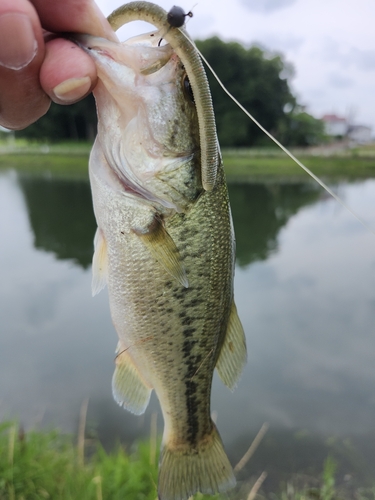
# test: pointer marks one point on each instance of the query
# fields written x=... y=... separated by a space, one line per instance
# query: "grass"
x=48 y=465
x=245 y=167
x=71 y=160
x=325 y=489
x=63 y=165
x=63 y=159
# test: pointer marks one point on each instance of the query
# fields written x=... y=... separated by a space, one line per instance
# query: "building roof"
x=334 y=118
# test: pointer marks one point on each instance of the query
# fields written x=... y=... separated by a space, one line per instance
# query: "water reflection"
x=260 y=211
x=62 y=220
x=61 y=217
x=306 y=301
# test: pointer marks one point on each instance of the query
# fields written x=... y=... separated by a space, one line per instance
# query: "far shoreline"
x=70 y=160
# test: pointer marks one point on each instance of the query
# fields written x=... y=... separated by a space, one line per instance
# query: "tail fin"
x=184 y=470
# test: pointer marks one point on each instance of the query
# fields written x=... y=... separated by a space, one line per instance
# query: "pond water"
x=305 y=291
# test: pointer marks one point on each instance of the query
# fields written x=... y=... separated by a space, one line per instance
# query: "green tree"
x=77 y=122
x=258 y=79
x=301 y=129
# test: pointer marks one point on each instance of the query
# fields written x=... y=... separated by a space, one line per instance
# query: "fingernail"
x=73 y=89
x=18 y=45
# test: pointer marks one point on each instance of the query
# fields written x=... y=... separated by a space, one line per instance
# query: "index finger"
x=82 y=16
x=22 y=99
x=63 y=67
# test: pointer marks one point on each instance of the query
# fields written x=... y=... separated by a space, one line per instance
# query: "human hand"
x=37 y=67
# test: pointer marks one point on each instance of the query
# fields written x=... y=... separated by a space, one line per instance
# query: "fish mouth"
x=93 y=44
x=155 y=58
x=111 y=60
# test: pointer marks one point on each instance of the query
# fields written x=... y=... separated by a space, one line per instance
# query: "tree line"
x=257 y=78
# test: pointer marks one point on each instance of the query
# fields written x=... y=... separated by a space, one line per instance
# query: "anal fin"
x=233 y=352
x=128 y=388
x=163 y=249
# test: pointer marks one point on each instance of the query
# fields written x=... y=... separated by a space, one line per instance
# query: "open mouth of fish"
x=121 y=66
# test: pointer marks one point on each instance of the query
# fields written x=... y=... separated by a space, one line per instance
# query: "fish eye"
x=187 y=88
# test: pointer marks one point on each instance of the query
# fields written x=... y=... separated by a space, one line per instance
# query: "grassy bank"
x=240 y=166
x=63 y=159
x=63 y=165
x=48 y=465
x=71 y=160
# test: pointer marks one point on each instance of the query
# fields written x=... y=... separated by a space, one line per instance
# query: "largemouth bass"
x=165 y=248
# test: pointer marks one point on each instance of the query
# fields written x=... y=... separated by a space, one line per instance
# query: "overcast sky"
x=331 y=44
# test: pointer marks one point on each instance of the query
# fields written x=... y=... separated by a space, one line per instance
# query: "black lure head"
x=176 y=16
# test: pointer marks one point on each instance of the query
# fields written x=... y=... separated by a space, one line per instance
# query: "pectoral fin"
x=233 y=353
x=99 y=263
x=164 y=250
x=128 y=388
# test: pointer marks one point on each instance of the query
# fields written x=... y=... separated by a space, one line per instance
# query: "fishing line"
x=283 y=148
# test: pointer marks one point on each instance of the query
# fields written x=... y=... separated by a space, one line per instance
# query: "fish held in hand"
x=165 y=248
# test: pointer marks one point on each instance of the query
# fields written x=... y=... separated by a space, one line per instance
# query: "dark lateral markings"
x=187 y=321
x=188 y=332
x=192 y=362
x=191 y=394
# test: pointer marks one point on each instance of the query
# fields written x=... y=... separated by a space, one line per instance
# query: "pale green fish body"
x=165 y=248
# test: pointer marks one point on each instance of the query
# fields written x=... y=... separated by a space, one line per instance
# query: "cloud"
x=340 y=81
x=265 y=6
x=362 y=59
x=283 y=42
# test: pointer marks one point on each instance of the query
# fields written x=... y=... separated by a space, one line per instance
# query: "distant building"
x=339 y=127
x=360 y=134
x=335 y=126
